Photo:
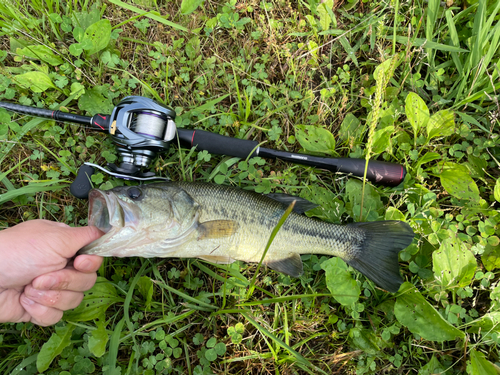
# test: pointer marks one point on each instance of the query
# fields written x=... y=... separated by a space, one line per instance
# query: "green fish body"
x=222 y=224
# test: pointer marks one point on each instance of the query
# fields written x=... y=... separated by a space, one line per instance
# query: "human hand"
x=37 y=280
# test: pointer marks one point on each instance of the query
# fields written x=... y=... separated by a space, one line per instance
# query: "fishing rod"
x=141 y=129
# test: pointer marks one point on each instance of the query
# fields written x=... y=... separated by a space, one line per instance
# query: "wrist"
x=4 y=261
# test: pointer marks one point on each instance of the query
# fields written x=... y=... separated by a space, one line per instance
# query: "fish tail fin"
x=377 y=256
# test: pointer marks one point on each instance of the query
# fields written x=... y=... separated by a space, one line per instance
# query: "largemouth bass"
x=222 y=224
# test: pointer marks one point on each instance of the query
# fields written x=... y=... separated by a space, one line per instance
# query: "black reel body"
x=140 y=128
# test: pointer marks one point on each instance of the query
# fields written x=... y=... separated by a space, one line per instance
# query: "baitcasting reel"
x=139 y=127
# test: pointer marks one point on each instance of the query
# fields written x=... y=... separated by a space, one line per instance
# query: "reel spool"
x=140 y=128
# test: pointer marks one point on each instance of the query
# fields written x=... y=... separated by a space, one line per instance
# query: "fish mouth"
x=99 y=207
x=119 y=220
x=107 y=211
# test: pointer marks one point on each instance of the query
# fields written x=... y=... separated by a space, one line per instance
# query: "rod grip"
x=381 y=172
x=217 y=144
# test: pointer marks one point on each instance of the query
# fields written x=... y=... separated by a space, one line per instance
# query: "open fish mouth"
x=107 y=211
x=99 y=208
x=118 y=219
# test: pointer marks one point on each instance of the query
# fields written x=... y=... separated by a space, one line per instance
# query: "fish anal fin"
x=217 y=259
x=291 y=265
x=217 y=229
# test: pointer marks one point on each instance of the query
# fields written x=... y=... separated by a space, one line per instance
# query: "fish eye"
x=134 y=193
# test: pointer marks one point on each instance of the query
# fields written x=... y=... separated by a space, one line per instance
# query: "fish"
x=222 y=224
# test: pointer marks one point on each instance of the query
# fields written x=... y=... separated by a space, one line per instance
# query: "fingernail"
x=34 y=293
x=27 y=301
x=85 y=265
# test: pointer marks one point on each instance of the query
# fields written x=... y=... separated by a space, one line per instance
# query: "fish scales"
x=258 y=215
x=222 y=224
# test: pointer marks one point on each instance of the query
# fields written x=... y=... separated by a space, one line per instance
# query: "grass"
x=261 y=70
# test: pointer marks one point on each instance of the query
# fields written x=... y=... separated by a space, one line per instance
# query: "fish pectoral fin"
x=290 y=266
x=217 y=229
x=217 y=259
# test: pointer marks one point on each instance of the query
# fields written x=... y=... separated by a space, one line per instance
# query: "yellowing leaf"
x=454 y=264
x=315 y=139
x=324 y=17
x=77 y=90
x=98 y=339
x=416 y=111
x=40 y=52
x=496 y=191
x=35 y=81
x=441 y=124
x=189 y=6
x=98 y=34
x=457 y=181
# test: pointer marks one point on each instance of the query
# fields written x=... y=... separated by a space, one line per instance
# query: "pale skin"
x=38 y=280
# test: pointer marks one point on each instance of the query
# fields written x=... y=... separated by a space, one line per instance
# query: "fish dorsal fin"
x=217 y=229
x=301 y=205
x=217 y=259
x=290 y=266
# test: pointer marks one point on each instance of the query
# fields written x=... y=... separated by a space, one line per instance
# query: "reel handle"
x=81 y=186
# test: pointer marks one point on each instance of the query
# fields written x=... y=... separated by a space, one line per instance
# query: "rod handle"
x=217 y=144
x=380 y=172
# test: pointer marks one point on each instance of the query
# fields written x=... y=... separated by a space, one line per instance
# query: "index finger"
x=65 y=279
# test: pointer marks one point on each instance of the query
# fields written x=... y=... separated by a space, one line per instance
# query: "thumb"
x=78 y=237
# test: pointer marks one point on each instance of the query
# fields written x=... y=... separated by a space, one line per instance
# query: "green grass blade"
x=283 y=299
x=207 y=106
x=428 y=44
x=454 y=40
x=114 y=344
x=269 y=242
x=308 y=366
x=22 y=366
x=348 y=49
x=4 y=174
x=432 y=14
x=180 y=294
x=33 y=188
x=4 y=151
x=149 y=15
x=476 y=41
